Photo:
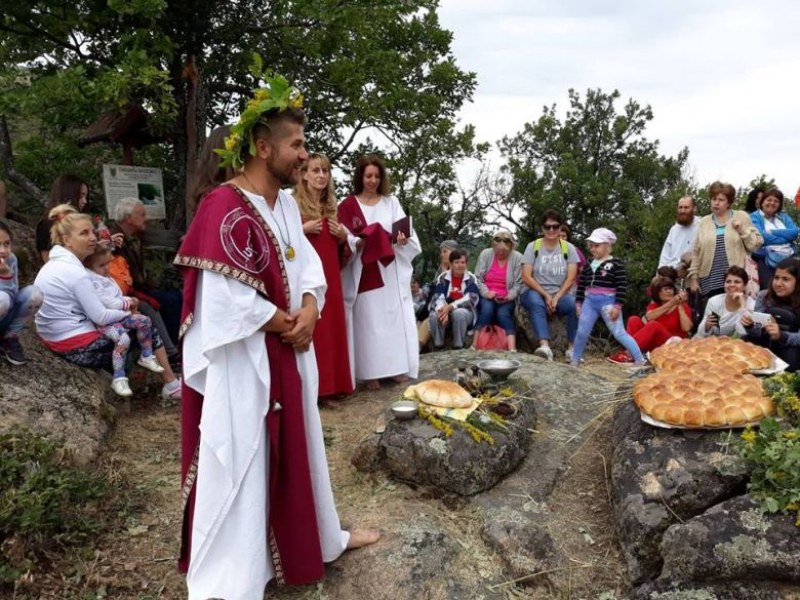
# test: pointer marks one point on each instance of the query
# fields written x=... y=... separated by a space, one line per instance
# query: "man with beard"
x=681 y=234
x=257 y=497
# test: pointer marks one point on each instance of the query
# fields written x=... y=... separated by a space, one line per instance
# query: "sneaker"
x=545 y=352
x=621 y=358
x=172 y=390
x=120 y=387
x=12 y=350
x=150 y=363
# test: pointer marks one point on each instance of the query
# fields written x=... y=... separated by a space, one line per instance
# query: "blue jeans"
x=534 y=302
x=490 y=312
x=16 y=311
x=594 y=306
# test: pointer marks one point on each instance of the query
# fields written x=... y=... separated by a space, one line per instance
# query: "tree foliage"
x=596 y=167
x=373 y=71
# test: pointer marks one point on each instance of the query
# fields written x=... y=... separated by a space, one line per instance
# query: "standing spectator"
x=376 y=279
x=17 y=306
x=724 y=238
x=779 y=233
x=454 y=301
x=549 y=270
x=316 y=199
x=601 y=293
x=681 y=235
x=161 y=306
x=753 y=202
x=66 y=189
x=499 y=275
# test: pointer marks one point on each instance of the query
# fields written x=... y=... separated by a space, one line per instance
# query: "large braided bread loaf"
x=703 y=383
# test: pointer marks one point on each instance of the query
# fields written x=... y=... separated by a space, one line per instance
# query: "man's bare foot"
x=372 y=384
x=362 y=537
x=400 y=378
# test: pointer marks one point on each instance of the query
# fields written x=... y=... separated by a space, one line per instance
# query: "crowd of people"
x=293 y=299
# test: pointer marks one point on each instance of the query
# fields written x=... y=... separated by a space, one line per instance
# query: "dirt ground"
x=136 y=560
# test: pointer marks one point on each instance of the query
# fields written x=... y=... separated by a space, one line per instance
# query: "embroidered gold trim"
x=276 y=558
x=187 y=322
x=191 y=476
x=195 y=262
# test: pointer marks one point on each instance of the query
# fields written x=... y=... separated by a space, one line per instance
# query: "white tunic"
x=225 y=359
x=382 y=330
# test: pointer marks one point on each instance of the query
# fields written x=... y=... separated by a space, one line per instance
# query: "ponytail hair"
x=62 y=221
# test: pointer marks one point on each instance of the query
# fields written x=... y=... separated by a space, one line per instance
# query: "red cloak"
x=228 y=236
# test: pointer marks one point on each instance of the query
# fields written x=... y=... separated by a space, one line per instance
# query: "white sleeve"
x=312 y=276
x=92 y=306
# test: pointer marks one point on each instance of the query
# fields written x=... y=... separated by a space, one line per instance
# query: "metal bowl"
x=498 y=369
x=404 y=410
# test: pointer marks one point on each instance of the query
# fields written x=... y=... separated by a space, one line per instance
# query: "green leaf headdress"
x=276 y=96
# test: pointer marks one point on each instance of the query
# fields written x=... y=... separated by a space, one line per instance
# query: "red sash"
x=228 y=236
x=377 y=244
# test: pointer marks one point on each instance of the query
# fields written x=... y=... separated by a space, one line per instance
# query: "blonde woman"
x=316 y=199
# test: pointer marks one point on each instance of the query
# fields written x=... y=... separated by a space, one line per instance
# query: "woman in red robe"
x=316 y=198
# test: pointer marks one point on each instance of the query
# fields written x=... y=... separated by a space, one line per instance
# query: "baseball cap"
x=602 y=235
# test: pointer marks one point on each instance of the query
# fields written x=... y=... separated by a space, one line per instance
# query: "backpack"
x=537 y=245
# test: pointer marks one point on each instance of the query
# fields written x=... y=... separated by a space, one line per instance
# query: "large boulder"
x=416 y=452
x=24 y=247
x=51 y=396
x=733 y=541
x=661 y=477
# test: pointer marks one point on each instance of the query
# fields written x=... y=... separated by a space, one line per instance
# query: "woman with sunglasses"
x=499 y=278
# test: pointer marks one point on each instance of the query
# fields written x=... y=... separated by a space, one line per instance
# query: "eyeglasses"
x=551 y=227
x=499 y=240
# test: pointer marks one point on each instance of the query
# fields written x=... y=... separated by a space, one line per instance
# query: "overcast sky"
x=722 y=77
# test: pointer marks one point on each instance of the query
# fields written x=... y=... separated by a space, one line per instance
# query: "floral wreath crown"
x=276 y=96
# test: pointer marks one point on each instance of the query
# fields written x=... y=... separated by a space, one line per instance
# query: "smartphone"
x=761 y=318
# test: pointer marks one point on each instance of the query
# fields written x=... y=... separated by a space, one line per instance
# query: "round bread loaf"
x=703 y=397
x=711 y=353
x=440 y=392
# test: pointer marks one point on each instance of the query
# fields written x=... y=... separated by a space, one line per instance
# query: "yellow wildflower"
x=749 y=436
x=230 y=143
x=261 y=94
x=296 y=101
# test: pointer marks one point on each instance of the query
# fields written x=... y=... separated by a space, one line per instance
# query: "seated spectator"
x=499 y=277
x=17 y=306
x=453 y=302
x=163 y=307
x=111 y=297
x=723 y=312
x=549 y=270
x=667 y=316
x=71 y=312
x=782 y=300
x=419 y=297
x=779 y=233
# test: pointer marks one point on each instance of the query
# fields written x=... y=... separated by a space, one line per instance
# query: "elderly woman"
x=724 y=239
x=454 y=301
x=71 y=312
x=782 y=300
x=499 y=277
x=779 y=233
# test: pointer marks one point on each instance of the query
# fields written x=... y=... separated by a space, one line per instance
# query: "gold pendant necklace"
x=289 y=251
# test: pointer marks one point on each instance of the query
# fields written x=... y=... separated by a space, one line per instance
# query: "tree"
x=597 y=168
x=368 y=68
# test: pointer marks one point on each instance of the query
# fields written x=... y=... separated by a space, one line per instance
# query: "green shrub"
x=45 y=503
x=772 y=452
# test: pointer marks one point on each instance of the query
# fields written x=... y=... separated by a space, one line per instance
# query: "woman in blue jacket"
x=779 y=233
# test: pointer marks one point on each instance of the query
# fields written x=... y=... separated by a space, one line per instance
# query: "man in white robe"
x=229 y=543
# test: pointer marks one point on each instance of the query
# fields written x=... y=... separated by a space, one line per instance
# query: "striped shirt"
x=719 y=266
